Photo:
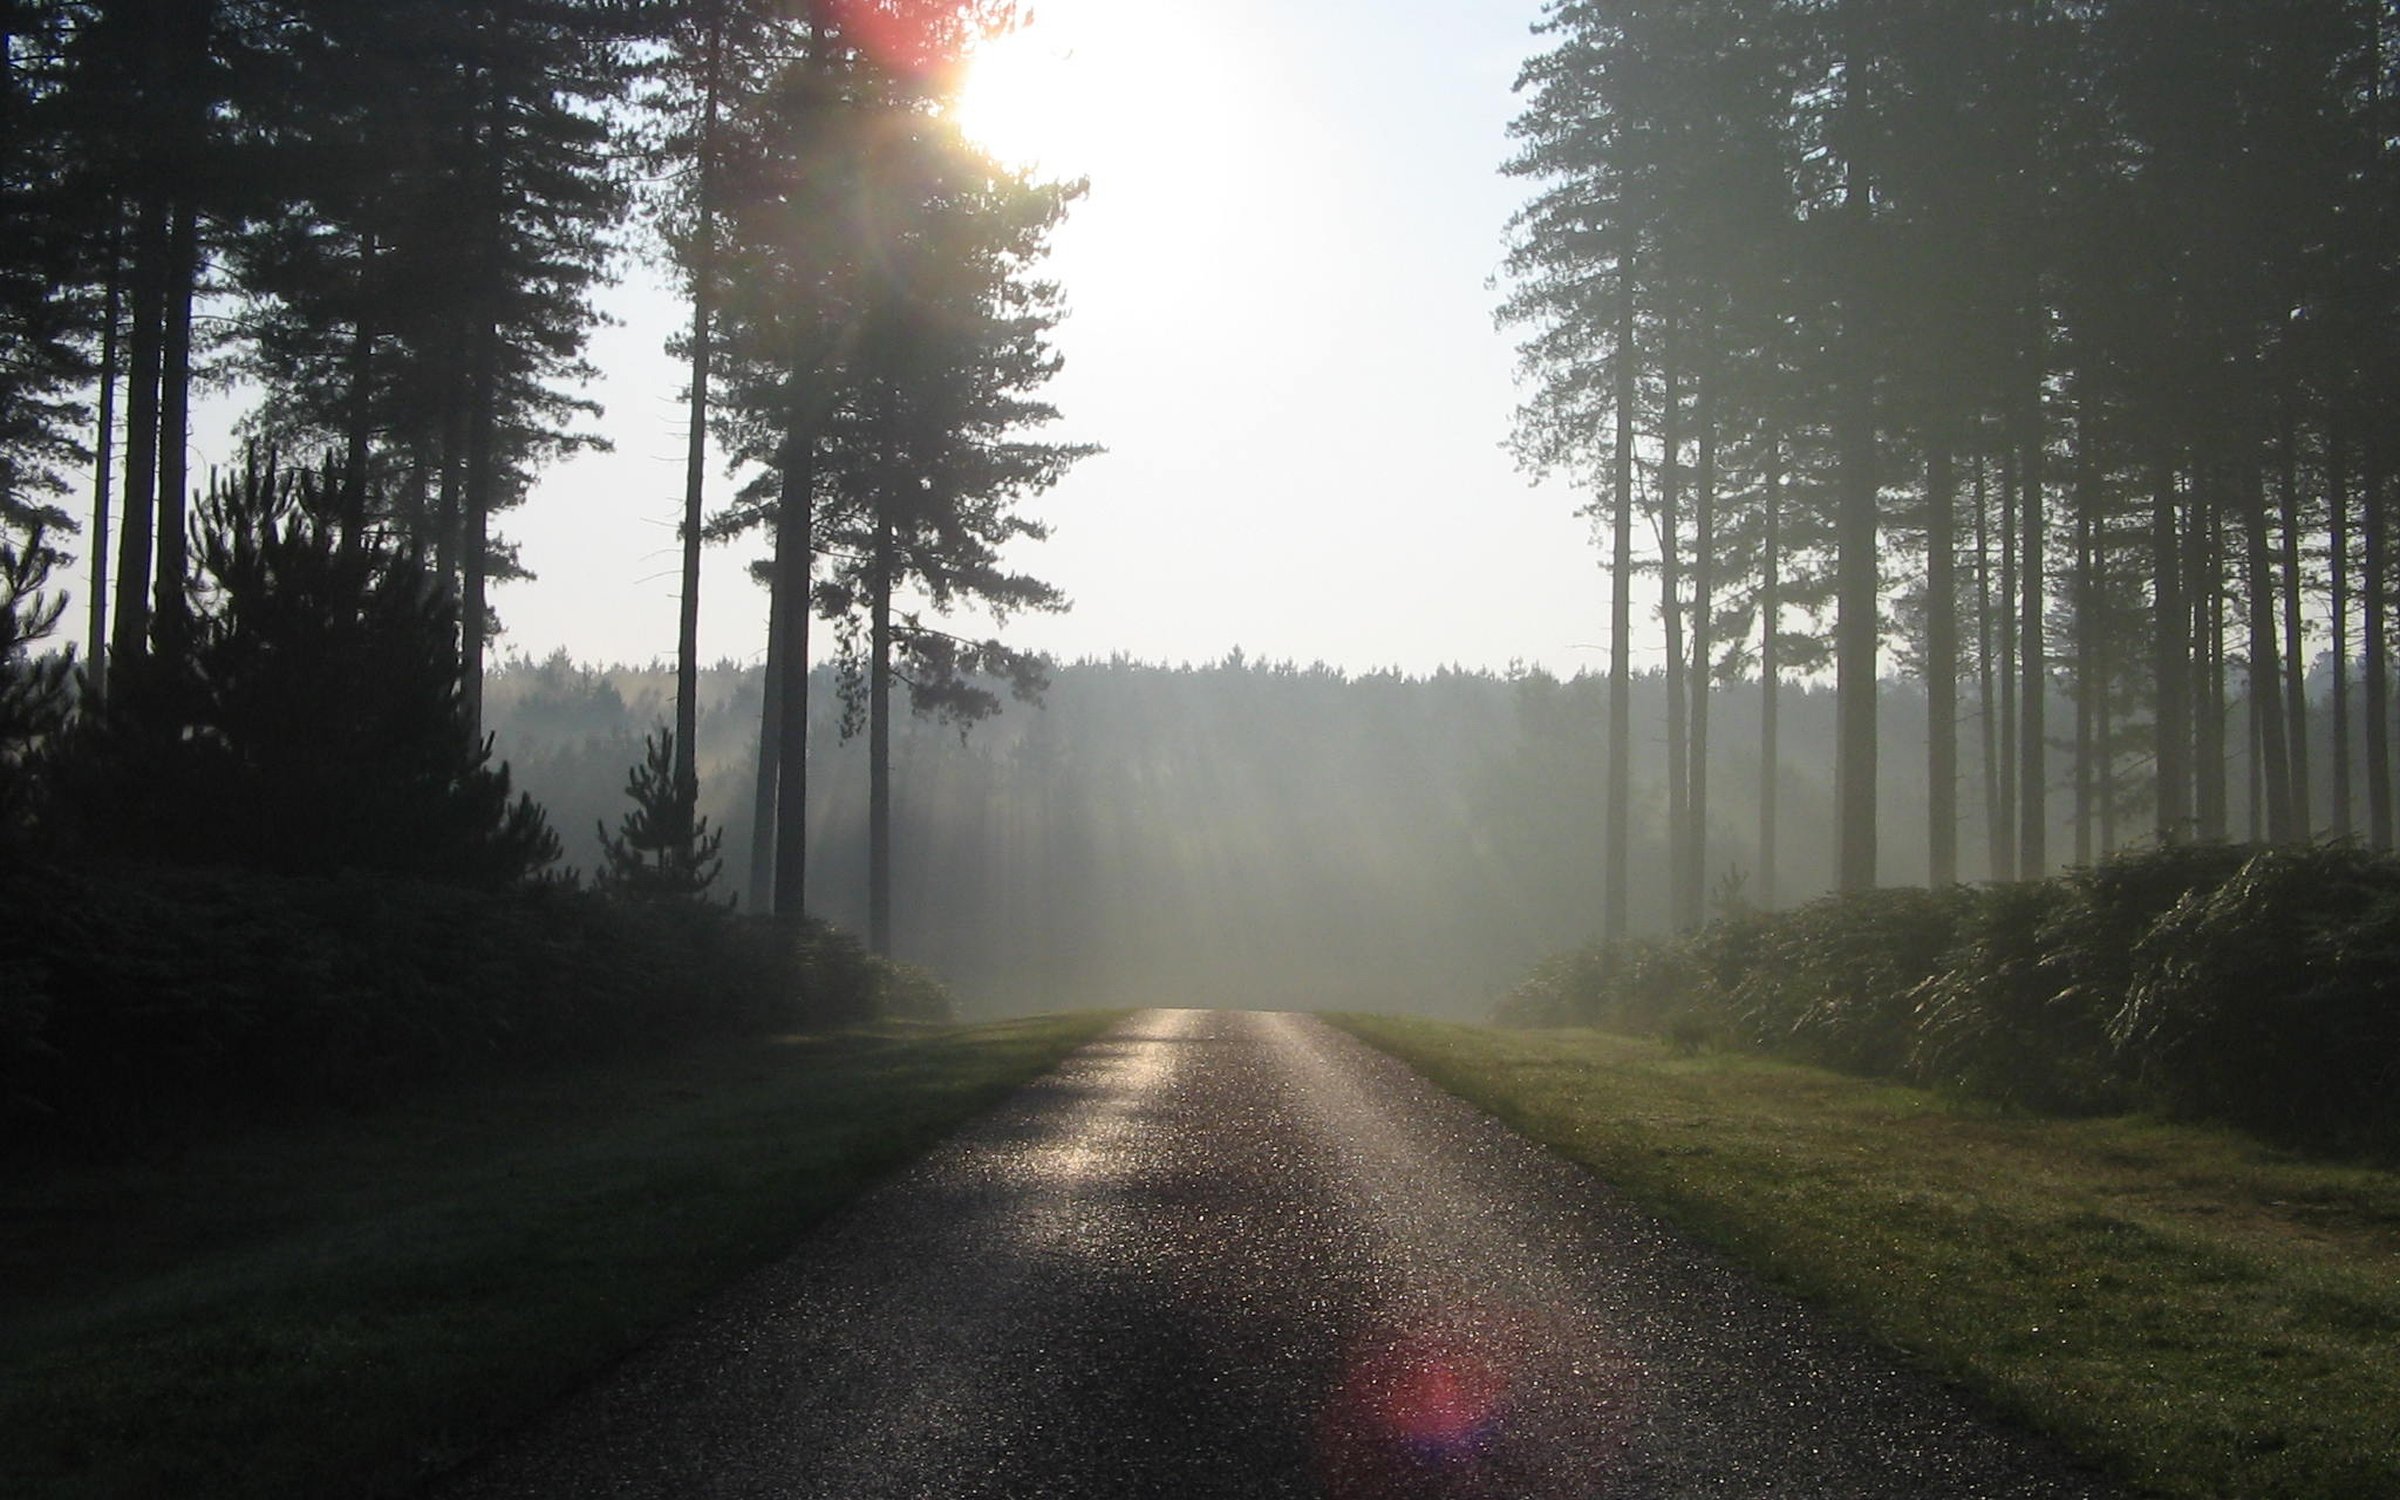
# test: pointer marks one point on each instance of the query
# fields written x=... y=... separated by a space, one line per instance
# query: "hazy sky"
x=1280 y=328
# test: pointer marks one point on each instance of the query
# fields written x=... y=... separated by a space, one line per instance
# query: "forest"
x=2039 y=354
x=388 y=224
x=1982 y=405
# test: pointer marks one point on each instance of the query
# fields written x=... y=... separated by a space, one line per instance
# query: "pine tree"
x=662 y=849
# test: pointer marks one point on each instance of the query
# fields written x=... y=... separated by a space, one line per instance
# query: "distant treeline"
x=1240 y=831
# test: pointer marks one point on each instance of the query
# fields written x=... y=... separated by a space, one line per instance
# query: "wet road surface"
x=1236 y=1254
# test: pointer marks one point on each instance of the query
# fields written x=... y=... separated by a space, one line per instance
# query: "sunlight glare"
x=1081 y=87
x=1019 y=101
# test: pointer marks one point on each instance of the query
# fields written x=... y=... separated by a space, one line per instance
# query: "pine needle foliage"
x=663 y=850
x=317 y=720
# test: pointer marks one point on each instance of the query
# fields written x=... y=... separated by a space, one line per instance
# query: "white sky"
x=1280 y=328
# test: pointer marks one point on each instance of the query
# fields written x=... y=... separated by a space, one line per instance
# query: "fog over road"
x=1235 y=1254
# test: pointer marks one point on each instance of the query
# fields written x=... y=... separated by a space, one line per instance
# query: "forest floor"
x=350 y=1304
x=2196 y=1313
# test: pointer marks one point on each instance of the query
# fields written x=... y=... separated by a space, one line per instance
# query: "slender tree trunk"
x=1704 y=544
x=360 y=413
x=1987 y=695
x=104 y=448
x=1941 y=659
x=2208 y=594
x=2375 y=594
x=2337 y=465
x=2295 y=657
x=2253 y=718
x=2004 y=623
x=2104 y=726
x=1670 y=611
x=770 y=733
x=2266 y=706
x=483 y=469
x=2171 y=641
x=483 y=431
x=131 y=630
x=2087 y=645
x=2033 y=655
x=1770 y=610
x=795 y=559
x=457 y=421
x=879 y=743
x=1857 y=590
x=695 y=457
x=169 y=627
x=1617 y=890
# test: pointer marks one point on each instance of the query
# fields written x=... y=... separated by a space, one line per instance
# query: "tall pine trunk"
x=2212 y=795
x=1770 y=666
x=483 y=470
x=695 y=458
x=2086 y=601
x=1704 y=546
x=1941 y=660
x=130 y=633
x=359 y=414
x=2274 y=773
x=1995 y=821
x=2171 y=644
x=2004 y=859
x=770 y=734
x=795 y=560
x=2374 y=597
x=1616 y=892
x=2033 y=655
x=104 y=448
x=879 y=742
x=169 y=626
x=2337 y=502
x=2295 y=656
x=1670 y=609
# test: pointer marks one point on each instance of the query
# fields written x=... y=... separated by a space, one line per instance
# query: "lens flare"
x=1422 y=1405
x=917 y=37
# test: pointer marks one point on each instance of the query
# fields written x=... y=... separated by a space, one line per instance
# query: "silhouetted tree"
x=318 y=720
x=662 y=849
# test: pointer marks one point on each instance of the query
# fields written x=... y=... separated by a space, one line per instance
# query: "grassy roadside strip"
x=350 y=1308
x=2201 y=1315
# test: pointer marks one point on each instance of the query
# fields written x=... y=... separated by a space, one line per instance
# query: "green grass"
x=2197 y=1313
x=349 y=1307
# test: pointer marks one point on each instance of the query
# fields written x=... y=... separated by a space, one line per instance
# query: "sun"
x=1028 y=99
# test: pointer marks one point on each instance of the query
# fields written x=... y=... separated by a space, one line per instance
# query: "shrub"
x=35 y=691
x=310 y=719
x=145 y=998
x=1834 y=982
x=2273 y=1001
x=2006 y=1017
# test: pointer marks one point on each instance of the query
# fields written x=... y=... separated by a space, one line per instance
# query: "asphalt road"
x=1236 y=1254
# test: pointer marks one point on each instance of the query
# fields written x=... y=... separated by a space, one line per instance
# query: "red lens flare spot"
x=919 y=37
x=1421 y=1406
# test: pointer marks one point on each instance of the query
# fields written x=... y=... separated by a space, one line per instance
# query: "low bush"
x=2273 y=1001
x=1999 y=1019
x=143 y=999
x=1834 y=982
x=2254 y=987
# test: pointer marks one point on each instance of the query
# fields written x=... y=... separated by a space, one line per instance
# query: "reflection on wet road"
x=1234 y=1254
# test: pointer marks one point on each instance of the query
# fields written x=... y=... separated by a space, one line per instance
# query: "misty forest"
x=1987 y=419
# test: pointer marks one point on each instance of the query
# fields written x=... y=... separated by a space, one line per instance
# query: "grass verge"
x=2199 y=1314
x=352 y=1307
